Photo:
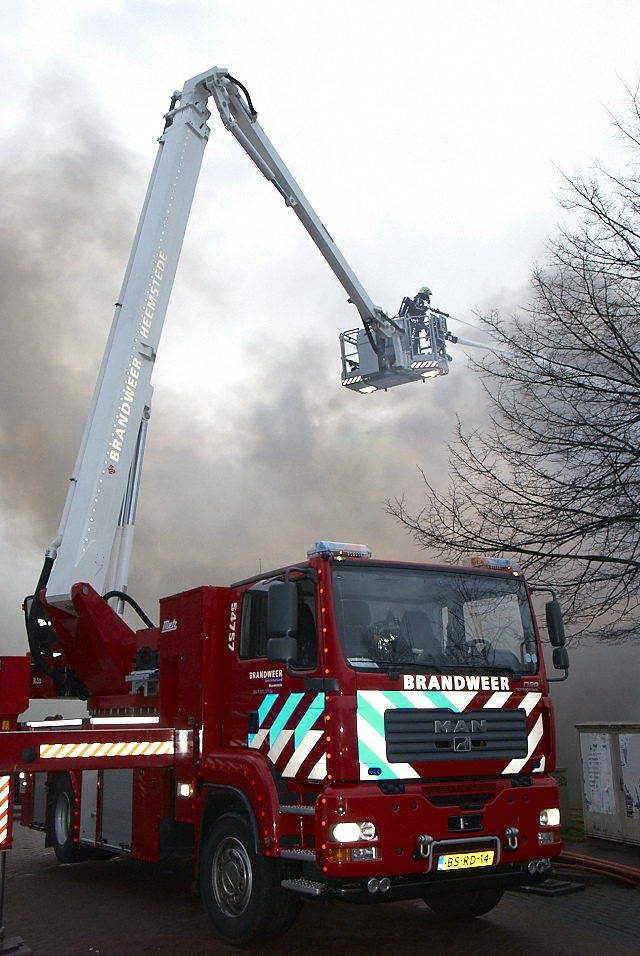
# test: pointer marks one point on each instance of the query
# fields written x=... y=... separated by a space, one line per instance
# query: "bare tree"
x=555 y=476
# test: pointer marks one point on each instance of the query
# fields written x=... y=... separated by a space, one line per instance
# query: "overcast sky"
x=428 y=136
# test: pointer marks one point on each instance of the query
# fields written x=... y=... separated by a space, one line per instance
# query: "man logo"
x=461 y=743
x=460 y=727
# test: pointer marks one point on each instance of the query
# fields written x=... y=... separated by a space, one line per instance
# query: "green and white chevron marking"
x=371 y=707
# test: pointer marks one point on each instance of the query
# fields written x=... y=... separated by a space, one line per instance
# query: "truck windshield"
x=433 y=619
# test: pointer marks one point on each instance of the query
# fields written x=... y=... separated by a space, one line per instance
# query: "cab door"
x=274 y=709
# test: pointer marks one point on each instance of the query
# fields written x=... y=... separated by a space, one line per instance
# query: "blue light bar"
x=493 y=564
x=338 y=549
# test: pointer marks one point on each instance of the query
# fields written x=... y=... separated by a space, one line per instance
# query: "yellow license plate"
x=465 y=861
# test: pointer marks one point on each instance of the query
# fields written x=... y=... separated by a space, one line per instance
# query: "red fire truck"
x=342 y=728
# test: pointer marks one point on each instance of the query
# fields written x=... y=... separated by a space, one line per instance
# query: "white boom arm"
x=240 y=119
x=87 y=540
x=94 y=539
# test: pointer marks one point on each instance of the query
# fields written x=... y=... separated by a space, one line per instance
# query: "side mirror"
x=555 y=624
x=560 y=658
x=282 y=609
x=560 y=662
x=282 y=621
x=281 y=650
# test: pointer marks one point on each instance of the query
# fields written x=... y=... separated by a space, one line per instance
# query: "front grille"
x=422 y=736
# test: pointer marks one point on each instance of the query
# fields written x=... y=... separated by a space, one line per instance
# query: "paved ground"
x=124 y=906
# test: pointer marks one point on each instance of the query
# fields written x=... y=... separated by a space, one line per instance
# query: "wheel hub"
x=232 y=877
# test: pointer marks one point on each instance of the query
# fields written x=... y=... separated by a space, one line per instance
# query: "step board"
x=300 y=809
x=308 y=887
x=295 y=854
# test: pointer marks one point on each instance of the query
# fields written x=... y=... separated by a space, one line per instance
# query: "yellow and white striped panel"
x=5 y=793
x=122 y=748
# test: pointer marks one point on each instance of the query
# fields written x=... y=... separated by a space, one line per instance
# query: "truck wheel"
x=61 y=823
x=465 y=904
x=240 y=888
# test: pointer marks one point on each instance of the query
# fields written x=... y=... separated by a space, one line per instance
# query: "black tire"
x=62 y=808
x=465 y=904
x=241 y=888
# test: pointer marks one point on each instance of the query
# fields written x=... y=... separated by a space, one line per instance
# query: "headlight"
x=550 y=818
x=351 y=832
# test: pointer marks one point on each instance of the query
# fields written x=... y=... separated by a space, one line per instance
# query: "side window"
x=253 y=626
x=307 y=658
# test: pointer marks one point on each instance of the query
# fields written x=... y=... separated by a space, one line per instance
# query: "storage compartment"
x=88 y=806
x=116 y=809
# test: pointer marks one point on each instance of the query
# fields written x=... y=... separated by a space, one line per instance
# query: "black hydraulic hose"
x=130 y=601
x=169 y=118
x=67 y=682
x=376 y=348
x=367 y=327
x=246 y=93
x=35 y=612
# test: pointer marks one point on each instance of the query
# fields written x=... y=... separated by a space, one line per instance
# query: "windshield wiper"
x=360 y=663
x=393 y=669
